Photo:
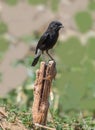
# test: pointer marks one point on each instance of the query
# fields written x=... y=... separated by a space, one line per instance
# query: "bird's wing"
x=41 y=42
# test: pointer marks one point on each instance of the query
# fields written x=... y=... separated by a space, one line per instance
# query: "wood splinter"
x=42 y=86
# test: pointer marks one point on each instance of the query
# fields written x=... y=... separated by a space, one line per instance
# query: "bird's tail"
x=35 y=61
x=37 y=56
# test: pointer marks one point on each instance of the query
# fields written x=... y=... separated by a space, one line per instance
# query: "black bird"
x=47 y=40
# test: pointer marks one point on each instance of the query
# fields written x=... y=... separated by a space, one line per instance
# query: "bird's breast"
x=52 y=41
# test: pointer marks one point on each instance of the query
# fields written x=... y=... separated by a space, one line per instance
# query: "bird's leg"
x=49 y=55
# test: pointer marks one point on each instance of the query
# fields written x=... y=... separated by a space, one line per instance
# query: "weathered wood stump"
x=42 y=87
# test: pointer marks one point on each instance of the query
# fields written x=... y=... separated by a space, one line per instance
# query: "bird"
x=47 y=40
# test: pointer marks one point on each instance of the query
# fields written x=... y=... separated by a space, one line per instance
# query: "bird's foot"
x=53 y=61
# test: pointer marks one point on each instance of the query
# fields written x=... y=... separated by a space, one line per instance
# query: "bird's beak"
x=61 y=26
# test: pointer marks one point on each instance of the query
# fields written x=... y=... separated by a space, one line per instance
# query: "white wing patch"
x=39 y=52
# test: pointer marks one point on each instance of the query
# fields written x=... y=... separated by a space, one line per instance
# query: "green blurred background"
x=21 y=25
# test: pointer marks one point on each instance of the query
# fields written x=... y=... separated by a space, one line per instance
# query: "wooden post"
x=42 y=86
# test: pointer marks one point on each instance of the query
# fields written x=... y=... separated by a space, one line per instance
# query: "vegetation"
x=3 y=27
x=76 y=74
x=35 y=2
x=12 y=2
x=70 y=121
x=91 y=5
x=53 y=3
x=4 y=44
x=0 y=77
x=90 y=48
x=83 y=21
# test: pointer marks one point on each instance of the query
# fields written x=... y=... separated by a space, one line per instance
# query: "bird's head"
x=55 y=25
